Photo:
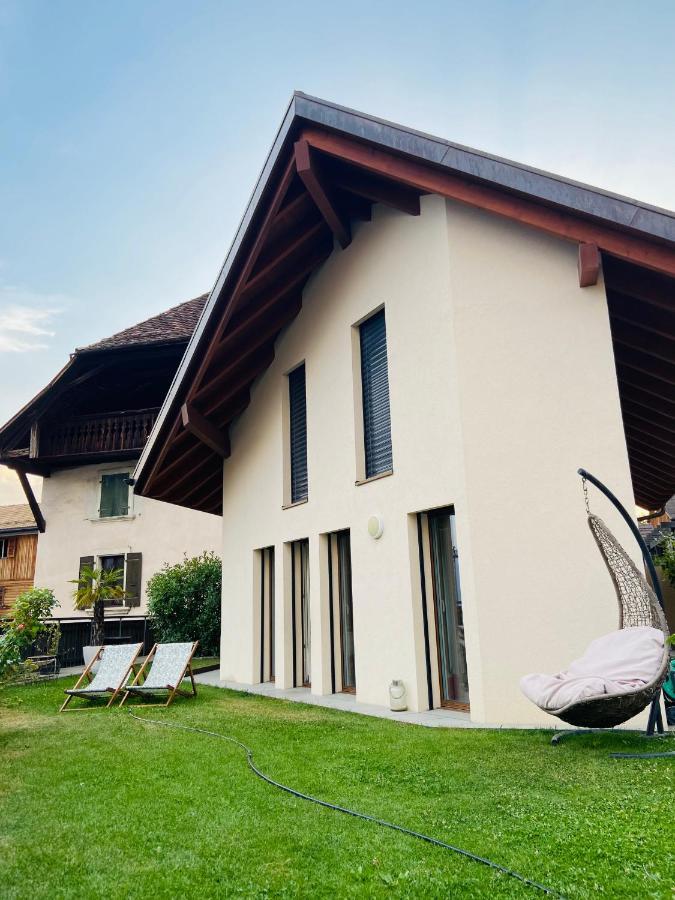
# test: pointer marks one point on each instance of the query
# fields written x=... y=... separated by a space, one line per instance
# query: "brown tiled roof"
x=176 y=324
x=15 y=517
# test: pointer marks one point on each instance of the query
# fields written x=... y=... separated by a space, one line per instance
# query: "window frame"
x=289 y=499
x=362 y=474
x=99 y=565
x=95 y=494
x=8 y=547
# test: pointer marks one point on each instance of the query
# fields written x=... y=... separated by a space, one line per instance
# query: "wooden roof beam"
x=588 y=264
x=638 y=418
x=378 y=190
x=635 y=360
x=245 y=378
x=203 y=489
x=232 y=363
x=639 y=284
x=204 y=430
x=429 y=180
x=651 y=461
x=32 y=501
x=203 y=480
x=269 y=273
x=260 y=327
x=659 y=408
x=643 y=341
x=653 y=444
x=195 y=453
x=309 y=170
x=642 y=315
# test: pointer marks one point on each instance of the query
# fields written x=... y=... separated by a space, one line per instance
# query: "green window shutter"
x=114 y=495
x=134 y=566
x=85 y=561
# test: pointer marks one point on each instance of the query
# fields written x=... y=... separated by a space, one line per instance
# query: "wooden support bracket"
x=589 y=264
x=204 y=430
x=318 y=189
x=32 y=502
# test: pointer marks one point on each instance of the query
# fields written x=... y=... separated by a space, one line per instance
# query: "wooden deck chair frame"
x=87 y=674
x=172 y=689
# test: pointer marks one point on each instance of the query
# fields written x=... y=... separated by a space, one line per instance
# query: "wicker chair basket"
x=638 y=605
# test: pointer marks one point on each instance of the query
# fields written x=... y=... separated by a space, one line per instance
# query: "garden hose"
x=352 y=812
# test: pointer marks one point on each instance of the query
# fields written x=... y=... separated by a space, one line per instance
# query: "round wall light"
x=375 y=527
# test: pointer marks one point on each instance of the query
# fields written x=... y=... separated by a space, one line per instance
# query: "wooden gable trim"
x=429 y=180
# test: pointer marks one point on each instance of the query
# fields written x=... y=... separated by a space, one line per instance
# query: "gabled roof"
x=326 y=167
x=16 y=517
x=176 y=324
x=168 y=329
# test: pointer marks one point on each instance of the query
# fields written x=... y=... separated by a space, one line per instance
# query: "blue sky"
x=132 y=132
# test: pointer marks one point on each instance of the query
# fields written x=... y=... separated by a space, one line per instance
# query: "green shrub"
x=184 y=603
x=23 y=625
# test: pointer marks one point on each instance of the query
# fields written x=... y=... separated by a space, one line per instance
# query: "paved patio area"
x=435 y=718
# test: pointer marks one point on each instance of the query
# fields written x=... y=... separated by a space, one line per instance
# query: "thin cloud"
x=26 y=319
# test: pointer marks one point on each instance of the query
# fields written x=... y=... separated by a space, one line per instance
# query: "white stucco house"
x=409 y=351
x=84 y=433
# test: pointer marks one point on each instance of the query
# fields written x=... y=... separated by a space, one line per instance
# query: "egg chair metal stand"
x=639 y=604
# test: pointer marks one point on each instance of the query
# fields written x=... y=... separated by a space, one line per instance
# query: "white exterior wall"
x=501 y=383
x=160 y=531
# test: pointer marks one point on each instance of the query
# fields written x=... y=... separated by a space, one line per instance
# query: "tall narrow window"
x=114 y=564
x=375 y=386
x=298 y=433
x=266 y=557
x=341 y=612
x=300 y=617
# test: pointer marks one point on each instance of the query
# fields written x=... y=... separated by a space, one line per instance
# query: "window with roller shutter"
x=375 y=390
x=298 y=434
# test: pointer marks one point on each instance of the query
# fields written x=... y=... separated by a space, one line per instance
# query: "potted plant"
x=94 y=588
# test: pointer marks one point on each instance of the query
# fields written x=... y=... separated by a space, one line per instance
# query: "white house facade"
x=138 y=538
x=84 y=434
x=393 y=439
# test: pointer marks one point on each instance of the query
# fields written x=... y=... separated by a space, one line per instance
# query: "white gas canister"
x=397 y=696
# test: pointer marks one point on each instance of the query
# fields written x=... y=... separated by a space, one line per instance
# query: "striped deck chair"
x=171 y=663
x=114 y=665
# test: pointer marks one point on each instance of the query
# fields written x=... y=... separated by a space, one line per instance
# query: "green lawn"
x=204 y=663
x=95 y=804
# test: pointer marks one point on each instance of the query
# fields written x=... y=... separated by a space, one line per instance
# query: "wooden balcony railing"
x=96 y=434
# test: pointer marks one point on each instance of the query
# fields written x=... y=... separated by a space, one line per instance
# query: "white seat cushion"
x=616 y=663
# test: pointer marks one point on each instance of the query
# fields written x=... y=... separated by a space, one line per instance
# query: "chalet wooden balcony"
x=96 y=435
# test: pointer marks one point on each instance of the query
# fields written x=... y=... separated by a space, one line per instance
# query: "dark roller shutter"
x=298 y=434
x=375 y=383
x=133 y=581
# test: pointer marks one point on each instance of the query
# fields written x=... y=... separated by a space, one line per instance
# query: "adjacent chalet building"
x=18 y=544
x=84 y=433
x=411 y=348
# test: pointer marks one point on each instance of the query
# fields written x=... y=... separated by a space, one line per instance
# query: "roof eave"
x=619 y=212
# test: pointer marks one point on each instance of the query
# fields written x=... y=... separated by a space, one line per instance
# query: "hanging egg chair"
x=639 y=605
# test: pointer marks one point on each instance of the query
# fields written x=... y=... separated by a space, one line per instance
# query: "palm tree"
x=94 y=587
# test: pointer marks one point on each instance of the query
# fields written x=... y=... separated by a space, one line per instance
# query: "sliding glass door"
x=300 y=613
x=267 y=614
x=346 y=611
x=341 y=612
x=449 y=620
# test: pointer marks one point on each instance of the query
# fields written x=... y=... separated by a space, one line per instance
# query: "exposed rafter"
x=588 y=265
x=204 y=430
x=309 y=170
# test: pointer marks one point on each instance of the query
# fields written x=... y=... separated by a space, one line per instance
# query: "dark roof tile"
x=176 y=324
